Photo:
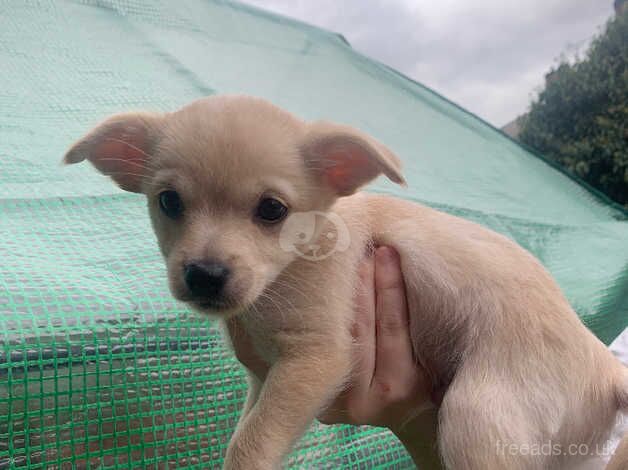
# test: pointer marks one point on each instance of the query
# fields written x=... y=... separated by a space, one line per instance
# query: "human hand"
x=388 y=386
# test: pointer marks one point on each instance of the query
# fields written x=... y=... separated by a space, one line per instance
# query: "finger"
x=244 y=349
x=394 y=358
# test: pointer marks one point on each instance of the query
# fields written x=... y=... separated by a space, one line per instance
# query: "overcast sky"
x=489 y=56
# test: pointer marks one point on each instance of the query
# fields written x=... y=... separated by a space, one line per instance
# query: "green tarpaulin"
x=99 y=367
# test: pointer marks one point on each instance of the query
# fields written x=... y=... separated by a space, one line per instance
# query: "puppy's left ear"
x=120 y=147
x=345 y=158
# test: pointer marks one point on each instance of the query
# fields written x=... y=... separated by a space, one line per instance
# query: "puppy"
x=259 y=222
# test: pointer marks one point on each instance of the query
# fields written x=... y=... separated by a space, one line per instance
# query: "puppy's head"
x=222 y=175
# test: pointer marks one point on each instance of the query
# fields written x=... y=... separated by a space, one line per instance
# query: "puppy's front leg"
x=251 y=398
x=297 y=387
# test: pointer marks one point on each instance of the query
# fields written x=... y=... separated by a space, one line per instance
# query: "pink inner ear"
x=122 y=154
x=347 y=167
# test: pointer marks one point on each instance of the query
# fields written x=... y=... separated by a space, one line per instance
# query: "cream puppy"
x=258 y=219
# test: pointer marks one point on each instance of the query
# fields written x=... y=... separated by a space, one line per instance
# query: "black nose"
x=205 y=279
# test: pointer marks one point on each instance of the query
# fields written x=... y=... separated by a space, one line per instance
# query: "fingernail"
x=385 y=254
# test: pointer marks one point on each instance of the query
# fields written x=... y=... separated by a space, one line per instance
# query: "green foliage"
x=580 y=119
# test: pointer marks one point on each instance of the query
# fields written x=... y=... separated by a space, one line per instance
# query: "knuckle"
x=387 y=392
x=389 y=281
x=389 y=325
x=383 y=389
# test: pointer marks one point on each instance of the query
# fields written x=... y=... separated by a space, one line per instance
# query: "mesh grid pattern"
x=99 y=368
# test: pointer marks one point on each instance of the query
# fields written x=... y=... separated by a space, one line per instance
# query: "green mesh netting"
x=99 y=368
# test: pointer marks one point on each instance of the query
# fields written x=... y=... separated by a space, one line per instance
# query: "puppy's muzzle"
x=206 y=279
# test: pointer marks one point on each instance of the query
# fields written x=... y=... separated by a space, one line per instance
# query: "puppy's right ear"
x=120 y=147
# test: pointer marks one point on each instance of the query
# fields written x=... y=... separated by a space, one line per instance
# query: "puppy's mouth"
x=213 y=304
x=222 y=307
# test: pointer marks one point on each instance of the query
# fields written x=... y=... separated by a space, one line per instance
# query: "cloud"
x=489 y=56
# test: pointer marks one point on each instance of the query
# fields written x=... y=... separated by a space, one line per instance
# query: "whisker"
x=130 y=162
x=130 y=145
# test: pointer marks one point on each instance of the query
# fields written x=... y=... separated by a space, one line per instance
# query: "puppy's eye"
x=271 y=210
x=170 y=204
